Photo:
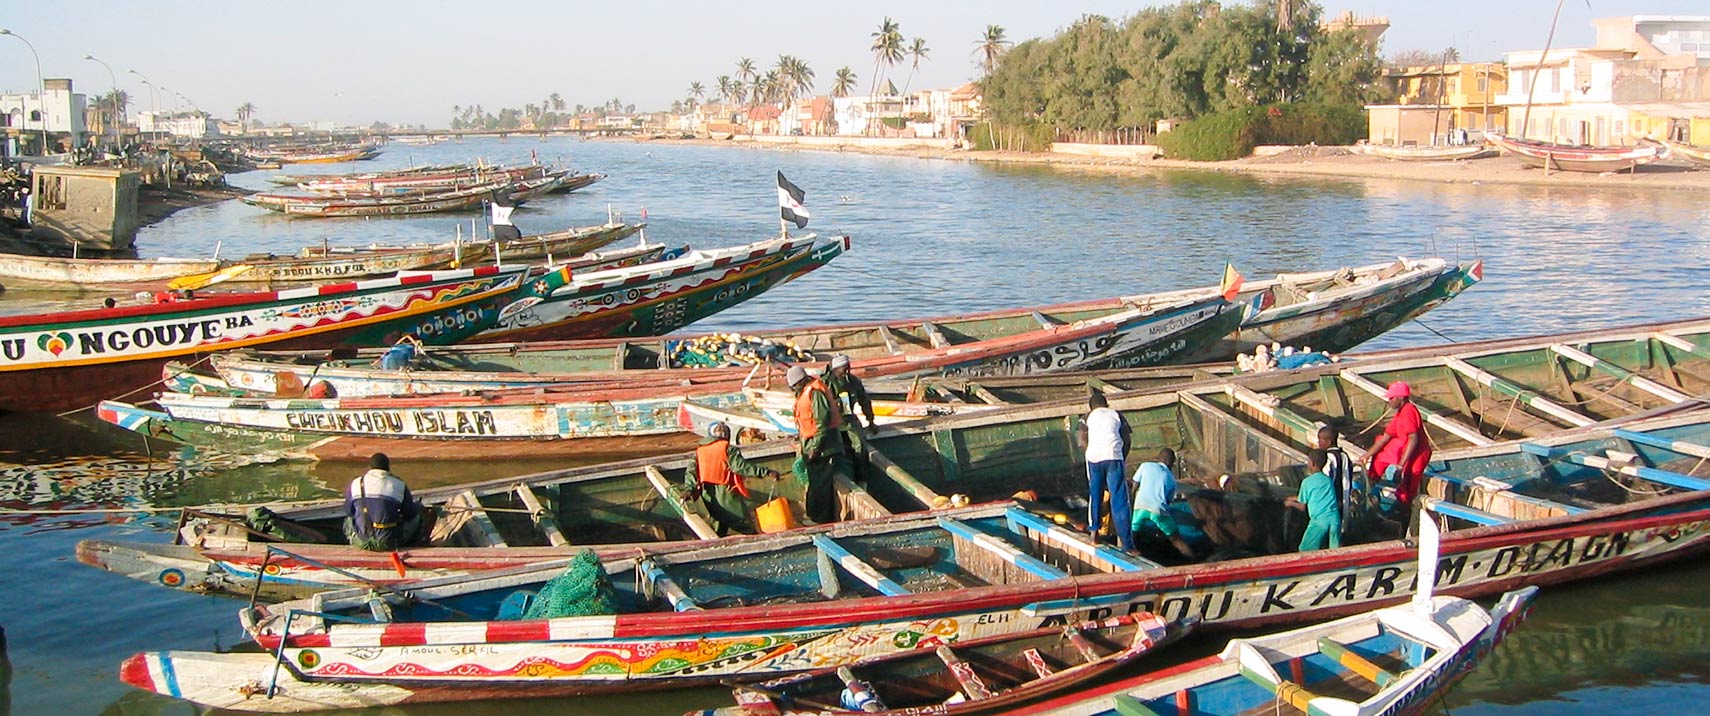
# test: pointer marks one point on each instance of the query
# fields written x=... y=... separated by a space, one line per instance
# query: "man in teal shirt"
x=1318 y=498
x=1154 y=489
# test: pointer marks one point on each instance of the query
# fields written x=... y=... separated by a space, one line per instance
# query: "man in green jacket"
x=716 y=471
x=853 y=402
x=819 y=443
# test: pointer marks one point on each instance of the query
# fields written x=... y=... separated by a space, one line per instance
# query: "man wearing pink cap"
x=1402 y=452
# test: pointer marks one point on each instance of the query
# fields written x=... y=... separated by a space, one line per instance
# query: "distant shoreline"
x=1314 y=162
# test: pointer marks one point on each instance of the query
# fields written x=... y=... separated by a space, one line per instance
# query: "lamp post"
x=41 y=87
x=153 y=101
x=116 y=120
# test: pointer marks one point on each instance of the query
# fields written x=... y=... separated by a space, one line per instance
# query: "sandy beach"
x=1326 y=162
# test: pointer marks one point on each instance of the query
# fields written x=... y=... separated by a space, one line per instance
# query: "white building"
x=1655 y=36
x=59 y=110
x=190 y=125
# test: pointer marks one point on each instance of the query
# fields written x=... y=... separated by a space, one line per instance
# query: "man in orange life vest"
x=819 y=443
x=716 y=471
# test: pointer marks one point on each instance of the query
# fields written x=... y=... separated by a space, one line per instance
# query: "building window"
x=1620 y=128
x=1454 y=85
x=35 y=115
x=1483 y=83
x=1555 y=81
x=1688 y=47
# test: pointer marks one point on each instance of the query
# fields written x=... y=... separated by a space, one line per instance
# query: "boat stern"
x=147 y=671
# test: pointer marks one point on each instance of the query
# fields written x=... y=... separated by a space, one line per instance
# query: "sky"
x=359 y=61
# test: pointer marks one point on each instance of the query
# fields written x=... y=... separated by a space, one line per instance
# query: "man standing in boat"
x=1318 y=498
x=716 y=471
x=380 y=514
x=1399 y=455
x=853 y=402
x=1104 y=435
x=819 y=443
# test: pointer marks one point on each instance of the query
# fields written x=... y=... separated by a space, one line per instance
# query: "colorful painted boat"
x=1254 y=429
x=974 y=677
x=266 y=269
x=62 y=361
x=1574 y=158
x=295 y=179
x=812 y=598
x=1445 y=153
x=419 y=183
x=1391 y=662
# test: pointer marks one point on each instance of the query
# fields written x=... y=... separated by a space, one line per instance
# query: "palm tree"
x=697 y=91
x=918 y=51
x=844 y=82
x=724 y=89
x=745 y=70
x=244 y=112
x=556 y=100
x=989 y=47
x=887 y=49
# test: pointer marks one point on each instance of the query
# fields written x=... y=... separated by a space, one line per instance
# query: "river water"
x=930 y=237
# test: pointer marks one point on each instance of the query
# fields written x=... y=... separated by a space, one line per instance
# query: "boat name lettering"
x=398 y=422
x=12 y=348
x=164 y=335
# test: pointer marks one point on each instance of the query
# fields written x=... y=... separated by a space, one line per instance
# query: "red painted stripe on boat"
x=415 y=279
x=134 y=671
x=533 y=630
x=405 y=634
x=336 y=288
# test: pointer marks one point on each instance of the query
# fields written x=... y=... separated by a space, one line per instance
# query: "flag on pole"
x=1232 y=281
x=790 y=202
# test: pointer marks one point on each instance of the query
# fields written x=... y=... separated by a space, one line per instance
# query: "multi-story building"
x=1431 y=104
x=189 y=125
x=59 y=110
x=1648 y=77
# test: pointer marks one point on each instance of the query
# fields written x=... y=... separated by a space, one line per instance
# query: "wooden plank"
x=1638 y=381
x=1356 y=663
x=857 y=567
x=1004 y=550
x=1462 y=512
x=1129 y=706
x=1662 y=477
x=972 y=685
x=890 y=340
x=1679 y=446
x=944 y=441
x=479 y=528
x=696 y=523
x=1457 y=428
x=1271 y=407
x=934 y=334
x=1081 y=644
x=1102 y=387
x=1526 y=396
x=665 y=585
x=1680 y=344
x=926 y=496
x=1036 y=662
x=542 y=519
x=984 y=395
x=1021 y=521
x=1046 y=321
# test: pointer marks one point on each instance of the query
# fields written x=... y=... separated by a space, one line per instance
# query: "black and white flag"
x=790 y=202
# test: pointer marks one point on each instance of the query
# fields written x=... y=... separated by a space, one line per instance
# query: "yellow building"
x=1433 y=103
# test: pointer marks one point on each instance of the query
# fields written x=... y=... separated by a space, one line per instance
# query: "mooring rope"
x=159 y=381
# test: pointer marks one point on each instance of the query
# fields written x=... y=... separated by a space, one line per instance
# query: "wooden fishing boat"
x=756 y=609
x=420 y=183
x=1396 y=661
x=295 y=179
x=61 y=361
x=1574 y=158
x=577 y=181
x=1254 y=429
x=1331 y=309
x=424 y=204
x=1696 y=156
x=324 y=157
x=1445 y=153
x=972 y=677
x=53 y=272
x=655 y=299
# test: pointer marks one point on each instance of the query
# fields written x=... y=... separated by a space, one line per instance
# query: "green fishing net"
x=799 y=467
x=583 y=590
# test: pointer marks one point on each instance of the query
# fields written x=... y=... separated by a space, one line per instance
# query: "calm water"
x=931 y=237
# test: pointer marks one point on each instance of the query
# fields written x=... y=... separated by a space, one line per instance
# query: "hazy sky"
x=358 y=61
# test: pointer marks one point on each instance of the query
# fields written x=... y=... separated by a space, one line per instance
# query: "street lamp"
x=41 y=99
x=153 y=101
x=116 y=120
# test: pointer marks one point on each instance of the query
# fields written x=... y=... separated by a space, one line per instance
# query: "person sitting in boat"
x=1400 y=455
x=401 y=354
x=821 y=456
x=852 y=399
x=500 y=218
x=1154 y=489
x=1318 y=498
x=716 y=472
x=380 y=514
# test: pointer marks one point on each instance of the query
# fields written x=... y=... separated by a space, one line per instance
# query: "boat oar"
x=372 y=583
x=200 y=280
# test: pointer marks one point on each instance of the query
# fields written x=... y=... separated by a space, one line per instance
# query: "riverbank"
x=155 y=204
x=1322 y=162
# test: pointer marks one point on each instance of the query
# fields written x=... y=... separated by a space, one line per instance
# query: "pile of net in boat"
x=583 y=590
x=1279 y=357
x=719 y=350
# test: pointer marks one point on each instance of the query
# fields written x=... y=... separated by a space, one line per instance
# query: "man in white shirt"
x=1105 y=436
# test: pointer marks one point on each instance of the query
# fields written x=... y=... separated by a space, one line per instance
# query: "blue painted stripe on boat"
x=1059 y=606
x=1462 y=512
x=1015 y=518
x=853 y=565
x=1672 y=479
x=1010 y=553
x=1658 y=442
x=167 y=673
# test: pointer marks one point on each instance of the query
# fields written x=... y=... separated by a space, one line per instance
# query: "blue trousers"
x=1106 y=476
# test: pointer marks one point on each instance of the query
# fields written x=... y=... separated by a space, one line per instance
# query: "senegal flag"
x=1232 y=281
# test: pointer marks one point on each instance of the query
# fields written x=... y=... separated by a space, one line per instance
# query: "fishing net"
x=583 y=590
x=800 y=469
x=719 y=350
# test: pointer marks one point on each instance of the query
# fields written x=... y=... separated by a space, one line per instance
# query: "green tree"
x=843 y=83
x=990 y=47
x=887 y=50
x=243 y=112
x=697 y=92
x=917 y=52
